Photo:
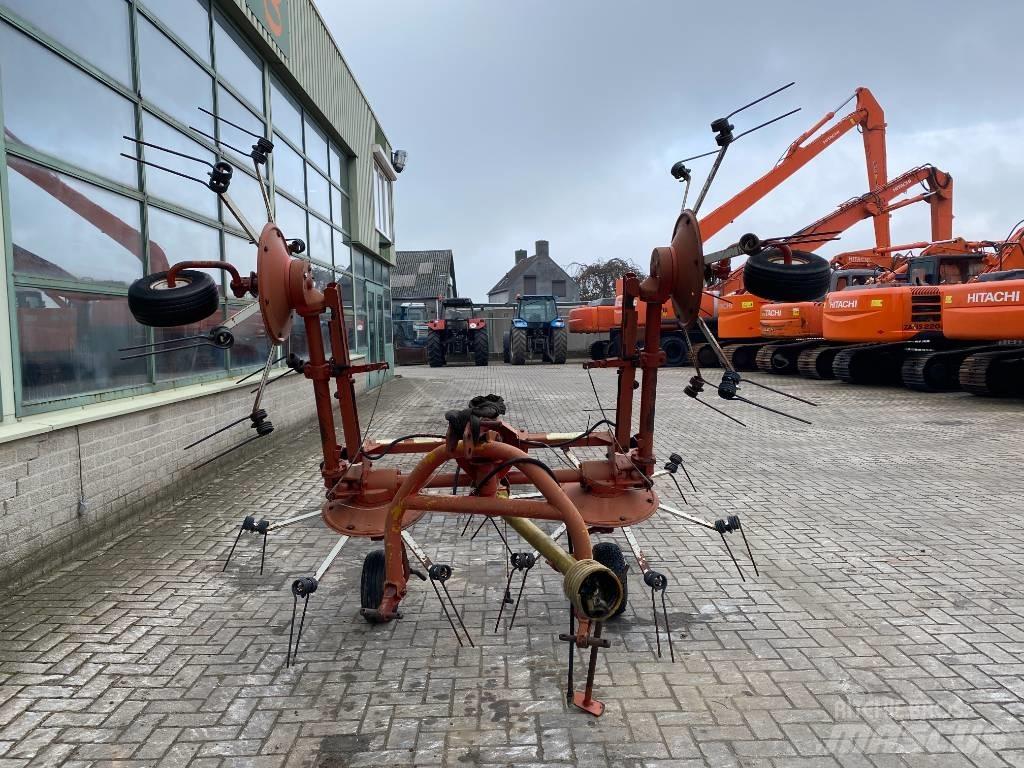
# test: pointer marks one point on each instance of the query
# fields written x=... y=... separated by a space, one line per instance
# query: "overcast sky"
x=557 y=120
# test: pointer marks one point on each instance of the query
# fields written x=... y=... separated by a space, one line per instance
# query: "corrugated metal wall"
x=319 y=72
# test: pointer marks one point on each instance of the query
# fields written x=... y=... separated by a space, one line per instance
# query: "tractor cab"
x=537 y=312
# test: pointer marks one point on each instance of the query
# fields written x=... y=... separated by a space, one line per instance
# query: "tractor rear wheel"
x=609 y=554
x=481 y=348
x=559 y=346
x=434 y=349
x=517 y=346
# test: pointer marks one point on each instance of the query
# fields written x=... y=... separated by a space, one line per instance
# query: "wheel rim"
x=161 y=284
x=778 y=258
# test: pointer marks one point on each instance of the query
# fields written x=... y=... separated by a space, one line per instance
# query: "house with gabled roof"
x=537 y=274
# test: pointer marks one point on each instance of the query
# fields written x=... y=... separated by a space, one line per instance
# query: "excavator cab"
x=943 y=269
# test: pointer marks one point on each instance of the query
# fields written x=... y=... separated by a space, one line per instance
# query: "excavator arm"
x=868 y=116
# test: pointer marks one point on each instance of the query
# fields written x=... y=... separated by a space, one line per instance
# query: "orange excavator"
x=989 y=309
x=799 y=324
x=888 y=324
x=867 y=116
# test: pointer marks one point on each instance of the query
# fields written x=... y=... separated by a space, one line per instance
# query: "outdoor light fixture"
x=398 y=158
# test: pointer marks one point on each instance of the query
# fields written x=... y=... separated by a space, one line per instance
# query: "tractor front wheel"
x=434 y=349
x=559 y=346
x=517 y=346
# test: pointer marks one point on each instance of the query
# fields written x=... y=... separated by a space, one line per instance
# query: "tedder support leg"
x=304 y=587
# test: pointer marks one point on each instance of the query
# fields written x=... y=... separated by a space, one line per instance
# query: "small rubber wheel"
x=371 y=583
x=194 y=297
x=609 y=554
x=674 y=349
x=599 y=350
x=766 y=274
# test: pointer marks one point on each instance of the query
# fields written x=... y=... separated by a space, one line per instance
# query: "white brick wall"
x=127 y=463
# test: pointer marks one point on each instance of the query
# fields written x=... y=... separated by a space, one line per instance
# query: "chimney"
x=520 y=256
x=542 y=247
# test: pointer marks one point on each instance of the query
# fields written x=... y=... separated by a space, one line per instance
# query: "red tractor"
x=457 y=332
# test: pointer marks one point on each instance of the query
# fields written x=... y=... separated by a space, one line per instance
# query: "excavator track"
x=743 y=357
x=938 y=371
x=877 y=364
x=816 y=363
x=783 y=358
x=994 y=374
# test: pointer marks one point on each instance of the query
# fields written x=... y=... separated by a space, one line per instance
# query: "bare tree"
x=597 y=280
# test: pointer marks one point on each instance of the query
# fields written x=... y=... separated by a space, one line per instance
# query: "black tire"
x=517 y=346
x=506 y=355
x=481 y=348
x=194 y=297
x=614 y=346
x=371 y=583
x=599 y=350
x=674 y=349
x=434 y=349
x=559 y=346
x=806 y=279
x=609 y=554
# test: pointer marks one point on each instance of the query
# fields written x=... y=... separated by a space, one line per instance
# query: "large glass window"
x=66 y=229
x=188 y=19
x=78 y=245
x=167 y=186
x=237 y=63
x=55 y=108
x=172 y=81
x=318 y=195
x=285 y=113
x=382 y=201
x=97 y=30
x=288 y=169
x=69 y=343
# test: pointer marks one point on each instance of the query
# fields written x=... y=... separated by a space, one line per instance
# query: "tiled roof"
x=421 y=274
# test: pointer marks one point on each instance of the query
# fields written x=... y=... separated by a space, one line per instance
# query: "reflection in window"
x=288 y=169
x=188 y=19
x=345 y=283
x=319 y=245
x=55 y=108
x=285 y=113
x=318 y=194
x=342 y=252
x=251 y=343
x=232 y=109
x=316 y=145
x=339 y=167
x=190 y=362
x=66 y=229
x=171 y=80
x=245 y=192
x=69 y=343
x=360 y=315
x=290 y=218
x=95 y=29
x=340 y=209
x=167 y=186
x=183 y=239
x=237 y=63
x=241 y=253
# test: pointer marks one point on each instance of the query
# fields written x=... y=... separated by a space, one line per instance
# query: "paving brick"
x=886 y=628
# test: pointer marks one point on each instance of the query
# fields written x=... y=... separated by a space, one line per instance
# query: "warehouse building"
x=87 y=436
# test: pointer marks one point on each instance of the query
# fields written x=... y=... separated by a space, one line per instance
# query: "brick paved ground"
x=887 y=627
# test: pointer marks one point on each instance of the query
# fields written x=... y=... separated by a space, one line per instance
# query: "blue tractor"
x=537 y=331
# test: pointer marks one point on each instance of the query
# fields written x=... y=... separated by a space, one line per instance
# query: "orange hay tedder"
x=490 y=457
